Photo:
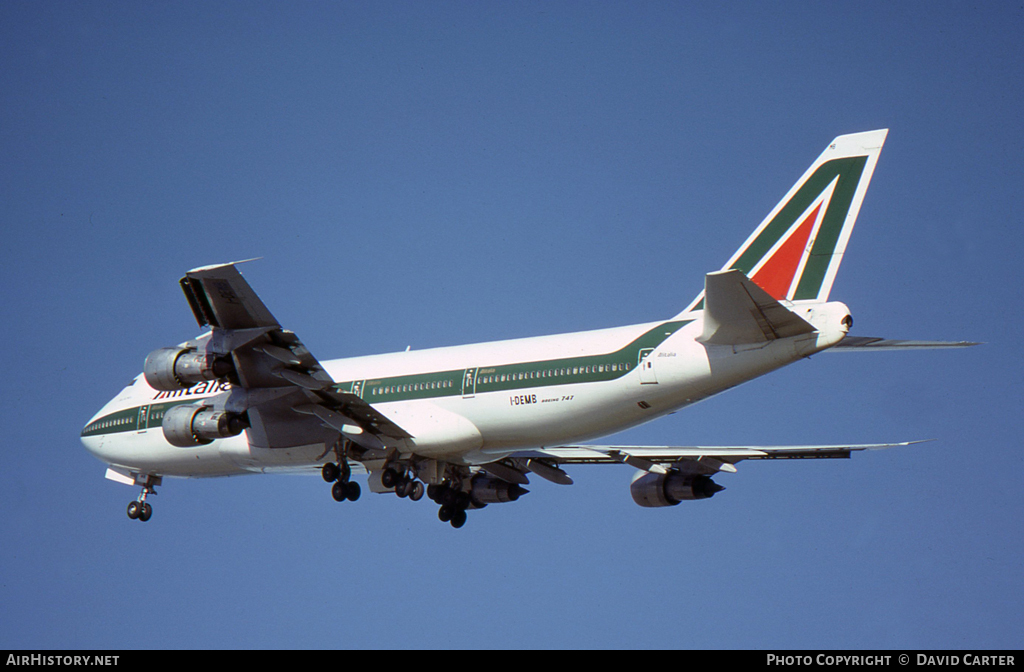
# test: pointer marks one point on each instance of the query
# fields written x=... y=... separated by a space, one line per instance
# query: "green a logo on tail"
x=795 y=252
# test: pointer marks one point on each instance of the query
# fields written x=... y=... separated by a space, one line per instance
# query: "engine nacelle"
x=191 y=425
x=654 y=490
x=486 y=490
x=170 y=369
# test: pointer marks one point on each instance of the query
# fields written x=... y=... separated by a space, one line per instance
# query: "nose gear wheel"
x=140 y=509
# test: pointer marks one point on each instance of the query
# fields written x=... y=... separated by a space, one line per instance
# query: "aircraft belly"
x=437 y=431
x=238 y=451
x=148 y=452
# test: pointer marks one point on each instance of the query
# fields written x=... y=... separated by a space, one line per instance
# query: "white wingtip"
x=230 y=263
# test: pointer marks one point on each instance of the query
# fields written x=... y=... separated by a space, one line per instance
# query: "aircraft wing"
x=690 y=459
x=875 y=344
x=287 y=395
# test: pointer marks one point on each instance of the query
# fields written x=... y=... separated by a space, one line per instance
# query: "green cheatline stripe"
x=831 y=225
x=541 y=373
x=518 y=376
x=132 y=419
x=848 y=170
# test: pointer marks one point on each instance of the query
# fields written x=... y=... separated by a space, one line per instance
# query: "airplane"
x=466 y=425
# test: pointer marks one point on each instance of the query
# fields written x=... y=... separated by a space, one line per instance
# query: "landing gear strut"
x=140 y=509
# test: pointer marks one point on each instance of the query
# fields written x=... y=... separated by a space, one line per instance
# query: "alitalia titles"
x=206 y=387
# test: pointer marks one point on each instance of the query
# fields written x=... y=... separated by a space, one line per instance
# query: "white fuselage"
x=474 y=404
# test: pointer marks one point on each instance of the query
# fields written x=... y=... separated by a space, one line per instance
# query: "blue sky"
x=439 y=173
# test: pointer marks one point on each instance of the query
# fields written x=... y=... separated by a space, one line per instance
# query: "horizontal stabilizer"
x=737 y=311
x=874 y=344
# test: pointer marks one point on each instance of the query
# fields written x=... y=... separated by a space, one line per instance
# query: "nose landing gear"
x=140 y=509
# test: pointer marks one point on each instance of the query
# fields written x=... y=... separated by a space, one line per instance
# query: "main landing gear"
x=343 y=488
x=403 y=483
x=453 y=503
x=402 y=479
x=140 y=509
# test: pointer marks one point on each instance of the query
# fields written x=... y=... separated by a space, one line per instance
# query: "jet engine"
x=486 y=490
x=171 y=369
x=189 y=425
x=652 y=490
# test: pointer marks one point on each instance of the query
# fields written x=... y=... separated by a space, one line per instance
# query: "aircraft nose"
x=91 y=437
x=97 y=432
x=102 y=435
x=89 y=429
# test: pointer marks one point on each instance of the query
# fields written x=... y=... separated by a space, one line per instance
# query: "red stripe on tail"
x=776 y=276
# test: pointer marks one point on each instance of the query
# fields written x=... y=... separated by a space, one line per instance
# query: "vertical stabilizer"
x=795 y=252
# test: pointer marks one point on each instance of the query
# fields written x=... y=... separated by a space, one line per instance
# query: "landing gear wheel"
x=416 y=491
x=389 y=478
x=411 y=489
x=447 y=497
x=146 y=513
x=134 y=509
x=334 y=472
x=444 y=514
x=352 y=491
x=458 y=518
x=339 y=490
